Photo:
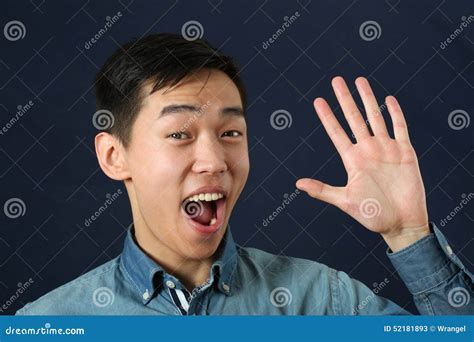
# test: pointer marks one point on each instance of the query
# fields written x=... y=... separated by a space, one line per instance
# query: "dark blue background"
x=47 y=158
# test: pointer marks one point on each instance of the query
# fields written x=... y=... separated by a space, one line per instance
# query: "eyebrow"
x=189 y=108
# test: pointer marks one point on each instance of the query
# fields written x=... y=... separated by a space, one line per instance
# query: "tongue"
x=205 y=214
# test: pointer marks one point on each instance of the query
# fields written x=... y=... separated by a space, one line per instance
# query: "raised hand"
x=384 y=190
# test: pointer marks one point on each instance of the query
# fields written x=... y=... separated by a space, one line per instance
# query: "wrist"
x=406 y=236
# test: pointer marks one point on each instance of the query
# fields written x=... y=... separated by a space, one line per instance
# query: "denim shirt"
x=249 y=281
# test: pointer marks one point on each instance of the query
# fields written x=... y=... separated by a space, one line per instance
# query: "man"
x=178 y=142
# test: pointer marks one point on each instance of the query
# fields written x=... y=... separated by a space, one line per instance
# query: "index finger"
x=336 y=133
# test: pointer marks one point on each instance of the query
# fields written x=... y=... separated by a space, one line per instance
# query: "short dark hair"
x=164 y=60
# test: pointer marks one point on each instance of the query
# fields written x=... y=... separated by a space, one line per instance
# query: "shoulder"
x=80 y=292
x=293 y=286
x=259 y=260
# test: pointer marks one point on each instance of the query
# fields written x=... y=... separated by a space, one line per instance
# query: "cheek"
x=166 y=170
x=158 y=174
x=240 y=164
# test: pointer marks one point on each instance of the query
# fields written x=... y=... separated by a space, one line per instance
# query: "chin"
x=204 y=248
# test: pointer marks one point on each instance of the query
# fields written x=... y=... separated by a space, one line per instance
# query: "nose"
x=209 y=156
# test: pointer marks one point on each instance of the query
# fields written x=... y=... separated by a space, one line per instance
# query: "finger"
x=322 y=191
x=336 y=133
x=371 y=107
x=349 y=107
x=400 y=128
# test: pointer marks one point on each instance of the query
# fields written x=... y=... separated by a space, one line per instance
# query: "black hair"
x=163 y=59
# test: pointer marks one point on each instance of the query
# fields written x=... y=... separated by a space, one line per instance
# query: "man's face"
x=186 y=138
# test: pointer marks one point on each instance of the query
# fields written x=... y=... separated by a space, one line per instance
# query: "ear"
x=111 y=156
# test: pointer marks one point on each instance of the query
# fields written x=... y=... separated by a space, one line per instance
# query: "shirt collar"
x=143 y=271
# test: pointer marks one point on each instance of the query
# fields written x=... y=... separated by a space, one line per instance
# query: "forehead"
x=210 y=87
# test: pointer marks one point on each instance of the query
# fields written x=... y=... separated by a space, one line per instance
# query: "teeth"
x=206 y=197
x=212 y=221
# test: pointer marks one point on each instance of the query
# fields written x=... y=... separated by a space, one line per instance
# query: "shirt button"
x=146 y=295
x=449 y=250
x=170 y=284
x=226 y=287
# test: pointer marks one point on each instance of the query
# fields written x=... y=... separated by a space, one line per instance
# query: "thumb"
x=322 y=191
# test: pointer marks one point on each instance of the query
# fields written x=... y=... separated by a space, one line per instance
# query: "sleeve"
x=351 y=297
x=435 y=276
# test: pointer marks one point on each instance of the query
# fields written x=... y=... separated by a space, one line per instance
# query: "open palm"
x=384 y=190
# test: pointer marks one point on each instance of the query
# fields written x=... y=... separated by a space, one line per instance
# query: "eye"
x=178 y=135
x=231 y=134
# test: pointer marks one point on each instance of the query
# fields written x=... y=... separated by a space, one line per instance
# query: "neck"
x=190 y=272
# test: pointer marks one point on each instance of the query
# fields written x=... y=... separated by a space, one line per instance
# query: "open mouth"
x=205 y=211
